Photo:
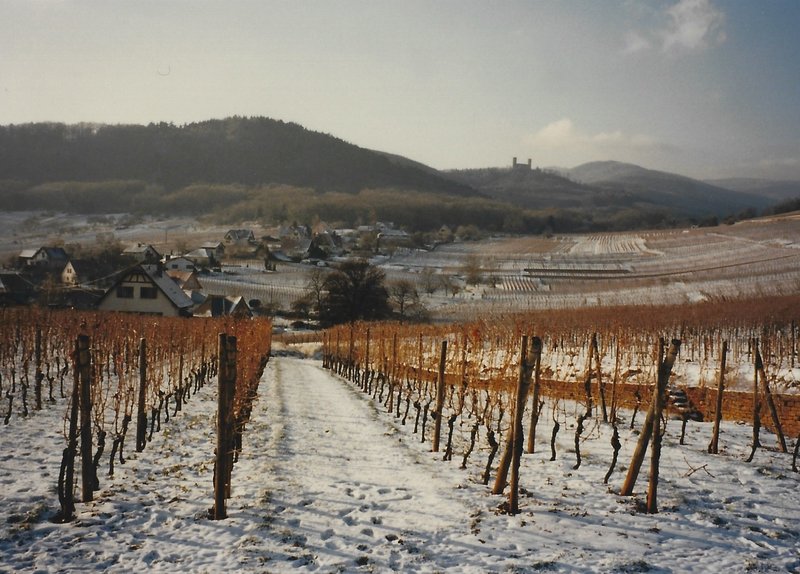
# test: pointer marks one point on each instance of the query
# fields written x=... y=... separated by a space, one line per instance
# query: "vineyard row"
x=112 y=372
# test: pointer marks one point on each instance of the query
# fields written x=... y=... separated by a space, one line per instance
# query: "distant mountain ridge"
x=524 y=186
x=776 y=190
x=682 y=194
x=248 y=151
x=239 y=167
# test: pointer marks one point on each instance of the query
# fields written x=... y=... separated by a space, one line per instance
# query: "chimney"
x=529 y=163
x=514 y=162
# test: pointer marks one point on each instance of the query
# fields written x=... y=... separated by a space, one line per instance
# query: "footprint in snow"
x=329 y=533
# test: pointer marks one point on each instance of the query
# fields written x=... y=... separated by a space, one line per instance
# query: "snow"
x=328 y=481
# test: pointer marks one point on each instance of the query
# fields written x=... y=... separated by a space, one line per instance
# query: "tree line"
x=247 y=151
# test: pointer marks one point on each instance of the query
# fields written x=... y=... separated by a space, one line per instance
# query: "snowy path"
x=345 y=489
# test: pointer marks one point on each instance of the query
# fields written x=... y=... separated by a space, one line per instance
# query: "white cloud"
x=563 y=143
x=693 y=25
x=563 y=134
x=636 y=42
x=685 y=26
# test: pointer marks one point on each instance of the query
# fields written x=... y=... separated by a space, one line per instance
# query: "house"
x=240 y=237
x=219 y=305
x=142 y=253
x=201 y=257
x=146 y=288
x=216 y=247
x=75 y=272
x=186 y=280
x=47 y=257
x=85 y=272
x=178 y=264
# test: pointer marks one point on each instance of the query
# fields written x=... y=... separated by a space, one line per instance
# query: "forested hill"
x=248 y=151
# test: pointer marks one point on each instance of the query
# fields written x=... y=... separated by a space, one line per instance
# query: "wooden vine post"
x=39 y=377
x=601 y=386
x=230 y=420
x=437 y=425
x=365 y=375
x=713 y=447
x=664 y=371
x=655 y=444
x=509 y=451
x=85 y=374
x=350 y=359
x=756 y=405
x=527 y=365
x=776 y=421
x=587 y=382
x=535 y=407
x=225 y=381
x=66 y=476
x=141 y=417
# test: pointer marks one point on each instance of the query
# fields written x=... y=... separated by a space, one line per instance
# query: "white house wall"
x=158 y=306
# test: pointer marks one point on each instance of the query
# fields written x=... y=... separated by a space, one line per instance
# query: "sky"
x=704 y=88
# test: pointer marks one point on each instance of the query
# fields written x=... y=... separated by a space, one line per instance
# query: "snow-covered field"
x=750 y=259
x=329 y=482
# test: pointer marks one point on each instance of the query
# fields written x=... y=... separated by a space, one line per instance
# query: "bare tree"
x=403 y=294
x=428 y=280
x=450 y=285
x=316 y=286
x=473 y=269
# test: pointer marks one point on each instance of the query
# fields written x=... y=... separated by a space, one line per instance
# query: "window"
x=125 y=292
x=148 y=292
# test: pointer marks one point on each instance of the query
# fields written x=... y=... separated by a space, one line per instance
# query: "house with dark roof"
x=201 y=257
x=43 y=257
x=147 y=289
x=240 y=237
x=89 y=273
x=142 y=253
x=186 y=280
x=219 y=305
x=216 y=247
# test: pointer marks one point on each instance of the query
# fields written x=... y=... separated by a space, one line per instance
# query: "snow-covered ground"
x=329 y=482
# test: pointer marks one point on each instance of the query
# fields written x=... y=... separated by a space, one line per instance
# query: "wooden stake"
x=776 y=421
x=39 y=377
x=601 y=387
x=526 y=368
x=219 y=512
x=535 y=406
x=655 y=447
x=141 y=417
x=664 y=372
x=756 y=407
x=437 y=425
x=713 y=447
x=85 y=373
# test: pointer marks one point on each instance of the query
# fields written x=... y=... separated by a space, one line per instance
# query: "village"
x=201 y=281
x=61 y=261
